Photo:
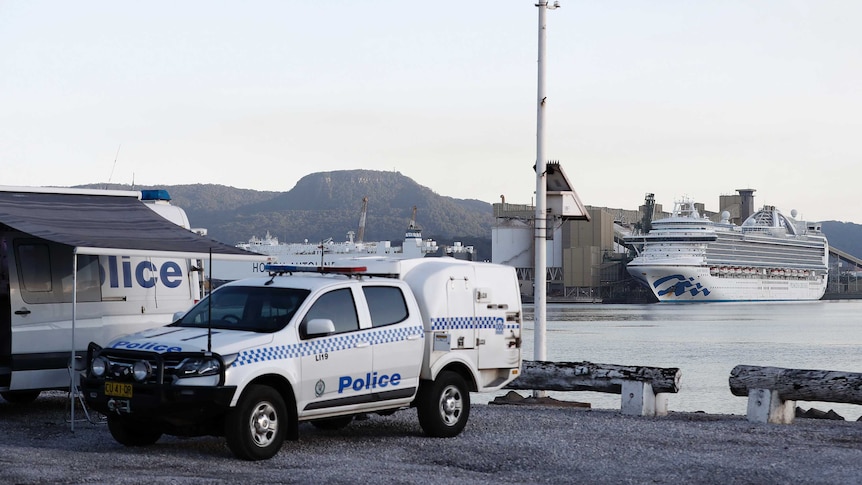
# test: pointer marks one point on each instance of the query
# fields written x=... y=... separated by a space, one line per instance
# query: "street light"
x=540 y=351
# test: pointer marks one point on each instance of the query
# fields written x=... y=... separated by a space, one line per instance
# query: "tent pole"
x=210 y=307
x=73 y=389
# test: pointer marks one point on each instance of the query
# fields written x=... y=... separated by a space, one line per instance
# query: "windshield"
x=249 y=308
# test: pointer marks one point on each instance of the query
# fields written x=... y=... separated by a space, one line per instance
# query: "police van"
x=258 y=356
x=76 y=267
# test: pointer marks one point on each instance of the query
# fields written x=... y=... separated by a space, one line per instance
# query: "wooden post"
x=773 y=391
x=643 y=390
x=589 y=376
x=798 y=384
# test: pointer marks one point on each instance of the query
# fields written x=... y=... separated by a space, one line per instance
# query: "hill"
x=845 y=236
x=327 y=205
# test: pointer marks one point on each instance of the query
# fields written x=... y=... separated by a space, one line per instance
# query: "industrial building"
x=586 y=258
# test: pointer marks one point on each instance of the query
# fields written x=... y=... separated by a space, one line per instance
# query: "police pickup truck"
x=258 y=356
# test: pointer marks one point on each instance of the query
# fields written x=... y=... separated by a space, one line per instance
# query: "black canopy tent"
x=103 y=222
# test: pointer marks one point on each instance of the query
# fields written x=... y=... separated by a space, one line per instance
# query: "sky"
x=678 y=98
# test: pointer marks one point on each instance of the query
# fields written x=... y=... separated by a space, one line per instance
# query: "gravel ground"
x=501 y=444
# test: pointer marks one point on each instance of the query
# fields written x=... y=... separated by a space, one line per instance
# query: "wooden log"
x=798 y=384
x=589 y=376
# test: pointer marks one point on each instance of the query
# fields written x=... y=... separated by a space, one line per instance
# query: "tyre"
x=20 y=397
x=444 y=405
x=256 y=427
x=129 y=432
x=331 y=424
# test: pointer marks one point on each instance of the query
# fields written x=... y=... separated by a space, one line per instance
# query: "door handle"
x=361 y=344
x=414 y=336
x=22 y=311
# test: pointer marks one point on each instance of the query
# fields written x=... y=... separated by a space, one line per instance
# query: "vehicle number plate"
x=118 y=389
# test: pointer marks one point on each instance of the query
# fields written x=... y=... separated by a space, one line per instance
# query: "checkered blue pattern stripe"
x=471 y=323
x=334 y=343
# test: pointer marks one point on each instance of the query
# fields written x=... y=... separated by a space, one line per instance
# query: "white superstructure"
x=771 y=257
x=326 y=253
x=323 y=253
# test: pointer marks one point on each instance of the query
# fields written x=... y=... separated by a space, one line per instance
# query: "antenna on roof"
x=114 y=165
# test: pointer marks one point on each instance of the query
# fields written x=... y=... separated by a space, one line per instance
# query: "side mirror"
x=178 y=315
x=319 y=327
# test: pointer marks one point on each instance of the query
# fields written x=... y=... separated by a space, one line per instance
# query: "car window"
x=386 y=304
x=255 y=309
x=338 y=306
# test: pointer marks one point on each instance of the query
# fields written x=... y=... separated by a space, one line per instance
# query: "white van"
x=129 y=276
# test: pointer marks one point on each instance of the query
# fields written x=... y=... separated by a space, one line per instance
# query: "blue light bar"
x=159 y=194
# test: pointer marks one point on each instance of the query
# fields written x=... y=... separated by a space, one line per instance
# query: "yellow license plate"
x=118 y=389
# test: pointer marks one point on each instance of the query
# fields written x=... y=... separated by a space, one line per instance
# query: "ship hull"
x=691 y=284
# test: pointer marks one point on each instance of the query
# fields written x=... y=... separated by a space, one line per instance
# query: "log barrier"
x=643 y=390
x=773 y=391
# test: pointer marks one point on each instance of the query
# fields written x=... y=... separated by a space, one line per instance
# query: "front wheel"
x=133 y=433
x=444 y=405
x=255 y=428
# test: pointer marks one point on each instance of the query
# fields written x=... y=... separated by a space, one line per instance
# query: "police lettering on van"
x=145 y=273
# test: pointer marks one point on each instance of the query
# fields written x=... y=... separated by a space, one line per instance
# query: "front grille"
x=163 y=367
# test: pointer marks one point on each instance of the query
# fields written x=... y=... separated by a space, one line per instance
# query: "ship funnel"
x=746 y=203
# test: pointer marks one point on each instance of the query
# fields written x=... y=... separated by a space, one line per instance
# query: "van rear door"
x=498 y=308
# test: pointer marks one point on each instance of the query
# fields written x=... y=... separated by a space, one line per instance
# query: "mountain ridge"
x=326 y=205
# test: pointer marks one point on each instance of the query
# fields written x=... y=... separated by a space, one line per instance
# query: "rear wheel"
x=330 y=424
x=133 y=433
x=444 y=405
x=20 y=397
x=255 y=428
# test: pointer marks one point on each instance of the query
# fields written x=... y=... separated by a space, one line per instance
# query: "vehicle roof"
x=308 y=281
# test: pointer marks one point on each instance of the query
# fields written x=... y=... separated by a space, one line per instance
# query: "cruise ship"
x=772 y=257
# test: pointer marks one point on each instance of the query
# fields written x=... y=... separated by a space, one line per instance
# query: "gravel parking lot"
x=501 y=444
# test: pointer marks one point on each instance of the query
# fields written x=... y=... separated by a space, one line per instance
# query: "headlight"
x=198 y=366
x=99 y=366
x=141 y=370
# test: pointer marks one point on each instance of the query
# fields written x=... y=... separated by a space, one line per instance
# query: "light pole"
x=540 y=350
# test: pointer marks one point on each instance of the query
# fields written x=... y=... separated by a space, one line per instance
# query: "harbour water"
x=706 y=341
